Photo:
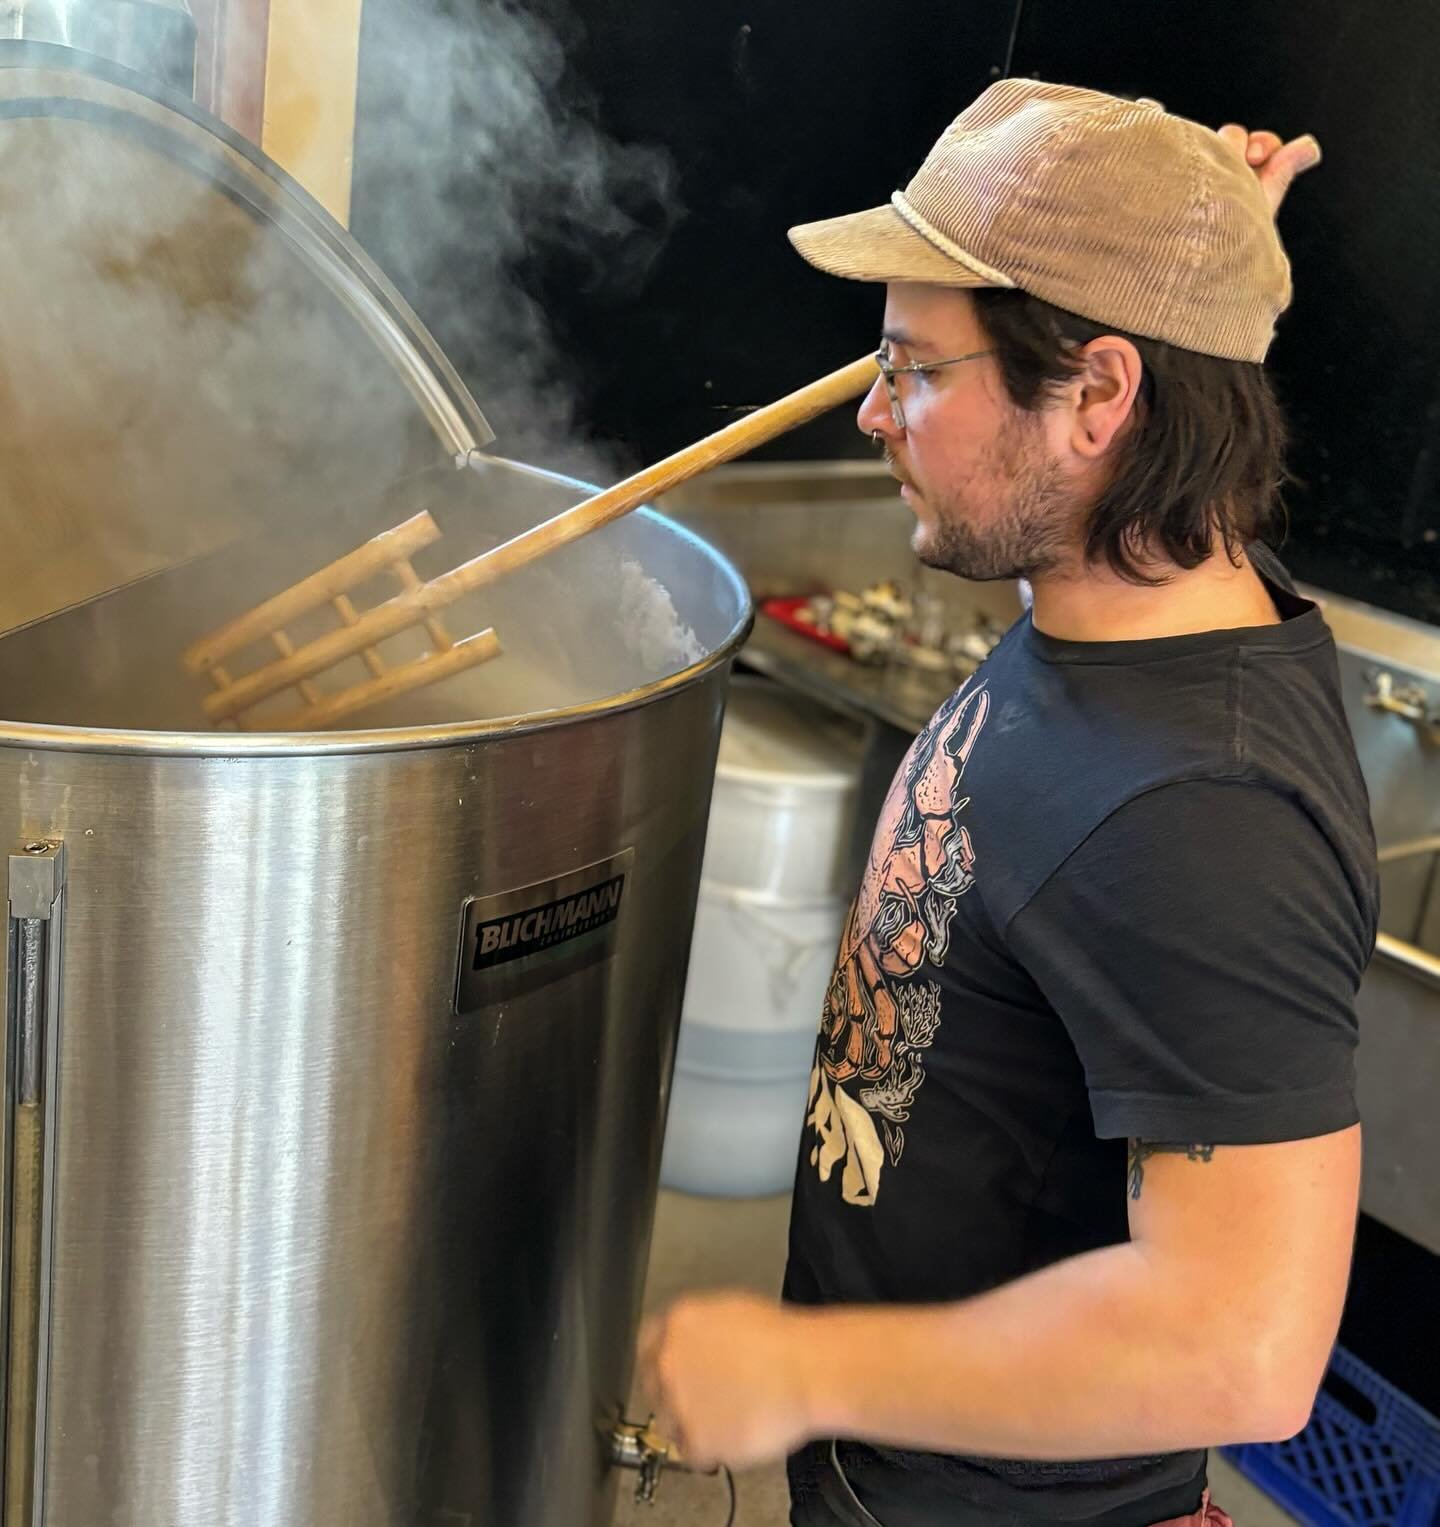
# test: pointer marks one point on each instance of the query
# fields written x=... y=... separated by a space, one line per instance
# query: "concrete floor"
x=709 y=1243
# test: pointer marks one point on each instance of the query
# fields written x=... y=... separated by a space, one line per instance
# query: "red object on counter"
x=786 y=611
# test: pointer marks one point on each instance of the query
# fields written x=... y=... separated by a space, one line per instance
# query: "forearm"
x=1103 y=1355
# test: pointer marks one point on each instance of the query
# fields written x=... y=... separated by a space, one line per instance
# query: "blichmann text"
x=557 y=922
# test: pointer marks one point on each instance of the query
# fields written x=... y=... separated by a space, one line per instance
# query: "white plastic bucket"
x=785 y=788
x=771 y=910
x=759 y=964
x=729 y=1139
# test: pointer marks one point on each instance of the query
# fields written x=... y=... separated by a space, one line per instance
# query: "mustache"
x=888 y=457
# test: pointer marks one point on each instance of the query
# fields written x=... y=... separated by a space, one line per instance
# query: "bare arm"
x=1213 y=1324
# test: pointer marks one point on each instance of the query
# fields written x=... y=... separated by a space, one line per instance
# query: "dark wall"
x=779 y=111
x=775 y=112
x=1357 y=360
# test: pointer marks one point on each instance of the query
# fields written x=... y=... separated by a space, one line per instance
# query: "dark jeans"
x=820 y=1495
x=830 y=1488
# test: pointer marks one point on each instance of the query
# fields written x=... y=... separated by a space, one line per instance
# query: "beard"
x=1012 y=517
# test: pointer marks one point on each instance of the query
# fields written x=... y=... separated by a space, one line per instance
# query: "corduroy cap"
x=1112 y=209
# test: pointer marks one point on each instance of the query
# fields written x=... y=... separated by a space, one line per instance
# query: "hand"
x=727 y=1374
x=1276 y=164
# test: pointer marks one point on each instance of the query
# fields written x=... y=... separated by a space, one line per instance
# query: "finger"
x=699 y=1463
x=1235 y=135
x=666 y=1425
x=686 y=1450
x=1279 y=171
x=1261 y=146
x=1304 y=153
x=665 y=1420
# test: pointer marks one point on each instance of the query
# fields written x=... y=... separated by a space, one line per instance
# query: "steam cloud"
x=177 y=383
x=477 y=155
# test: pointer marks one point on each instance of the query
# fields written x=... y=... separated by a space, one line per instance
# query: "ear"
x=1103 y=394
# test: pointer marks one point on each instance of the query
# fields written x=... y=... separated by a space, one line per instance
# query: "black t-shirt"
x=1118 y=889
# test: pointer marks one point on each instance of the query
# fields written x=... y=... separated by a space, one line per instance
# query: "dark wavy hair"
x=1205 y=460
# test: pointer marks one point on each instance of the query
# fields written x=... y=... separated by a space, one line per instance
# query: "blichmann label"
x=512 y=938
x=523 y=940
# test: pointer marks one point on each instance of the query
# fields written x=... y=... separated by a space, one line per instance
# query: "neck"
x=1094 y=604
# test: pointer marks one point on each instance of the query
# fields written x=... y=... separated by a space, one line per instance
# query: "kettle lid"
x=191 y=349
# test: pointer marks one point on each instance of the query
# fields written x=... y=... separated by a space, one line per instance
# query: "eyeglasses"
x=889 y=373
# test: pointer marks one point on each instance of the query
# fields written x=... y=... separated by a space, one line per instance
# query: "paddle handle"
x=745 y=434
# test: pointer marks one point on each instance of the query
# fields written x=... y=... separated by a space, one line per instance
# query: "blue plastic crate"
x=1370 y=1456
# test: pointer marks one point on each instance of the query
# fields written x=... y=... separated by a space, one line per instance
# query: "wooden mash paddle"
x=417 y=602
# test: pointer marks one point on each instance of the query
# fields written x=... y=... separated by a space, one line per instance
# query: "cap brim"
x=879 y=245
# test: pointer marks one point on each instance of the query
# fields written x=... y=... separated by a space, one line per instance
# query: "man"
x=1080 y=1166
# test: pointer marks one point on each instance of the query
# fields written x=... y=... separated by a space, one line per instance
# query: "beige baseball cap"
x=1112 y=209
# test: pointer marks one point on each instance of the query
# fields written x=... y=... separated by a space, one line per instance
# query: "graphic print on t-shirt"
x=879 y=1017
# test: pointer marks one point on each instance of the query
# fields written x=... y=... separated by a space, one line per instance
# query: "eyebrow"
x=895 y=335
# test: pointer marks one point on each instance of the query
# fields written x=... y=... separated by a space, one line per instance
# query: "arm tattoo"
x=1142 y=1150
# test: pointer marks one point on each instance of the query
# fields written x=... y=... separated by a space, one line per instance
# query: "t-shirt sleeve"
x=1203 y=947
